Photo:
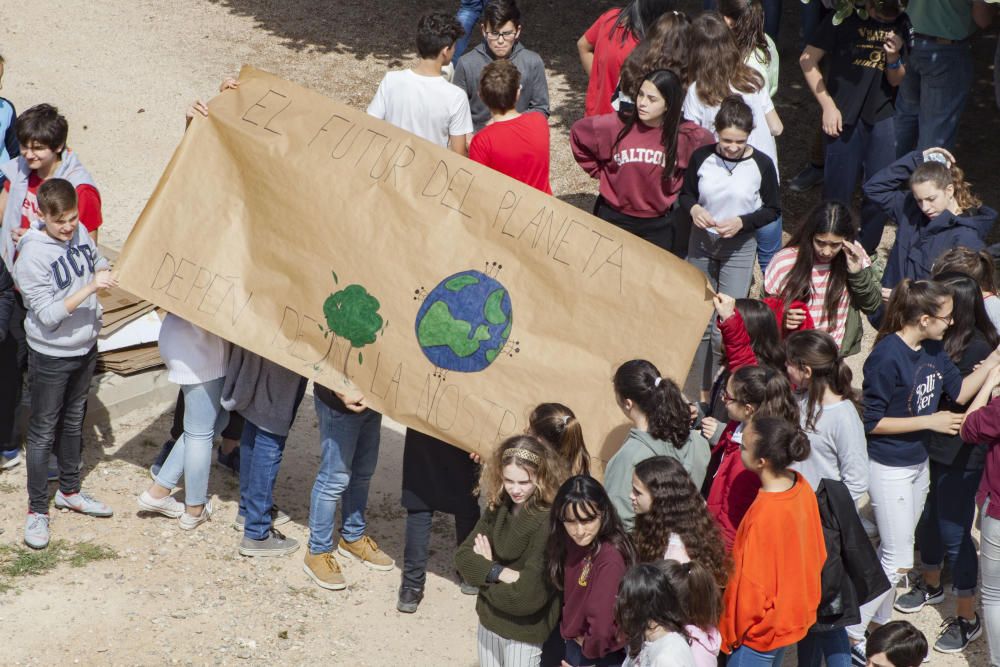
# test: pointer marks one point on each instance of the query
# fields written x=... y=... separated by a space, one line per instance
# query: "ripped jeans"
x=897 y=495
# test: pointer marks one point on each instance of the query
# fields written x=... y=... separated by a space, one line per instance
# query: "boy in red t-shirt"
x=513 y=143
x=41 y=132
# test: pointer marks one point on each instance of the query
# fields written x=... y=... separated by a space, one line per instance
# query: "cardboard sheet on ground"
x=454 y=297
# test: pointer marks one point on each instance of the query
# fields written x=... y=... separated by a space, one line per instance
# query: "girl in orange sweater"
x=781 y=533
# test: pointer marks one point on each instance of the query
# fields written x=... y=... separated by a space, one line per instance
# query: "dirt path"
x=123 y=72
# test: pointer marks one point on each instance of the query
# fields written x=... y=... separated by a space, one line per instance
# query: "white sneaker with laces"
x=189 y=522
x=168 y=506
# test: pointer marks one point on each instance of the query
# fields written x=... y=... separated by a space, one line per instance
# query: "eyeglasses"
x=947 y=319
x=507 y=35
x=727 y=398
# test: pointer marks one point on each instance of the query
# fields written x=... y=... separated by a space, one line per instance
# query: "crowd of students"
x=730 y=526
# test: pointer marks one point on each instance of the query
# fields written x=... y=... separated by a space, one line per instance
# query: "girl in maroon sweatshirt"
x=587 y=556
x=641 y=162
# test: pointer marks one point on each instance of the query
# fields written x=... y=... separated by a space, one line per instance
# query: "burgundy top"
x=589 y=602
x=983 y=427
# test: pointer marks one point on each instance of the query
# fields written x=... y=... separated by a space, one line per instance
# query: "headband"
x=565 y=420
x=657 y=381
x=523 y=454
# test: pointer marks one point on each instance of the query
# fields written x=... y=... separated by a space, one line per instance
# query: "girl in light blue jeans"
x=196 y=360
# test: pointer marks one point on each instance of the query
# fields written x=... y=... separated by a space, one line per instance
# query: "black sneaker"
x=957 y=634
x=409 y=599
x=806 y=179
x=917 y=597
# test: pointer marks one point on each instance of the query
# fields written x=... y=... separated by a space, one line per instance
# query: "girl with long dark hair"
x=661 y=426
x=587 y=554
x=945 y=529
x=824 y=266
x=828 y=407
x=906 y=374
x=701 y=600
x=672 y=520
x=641 y=162
x=649 y=613
x=606 y=44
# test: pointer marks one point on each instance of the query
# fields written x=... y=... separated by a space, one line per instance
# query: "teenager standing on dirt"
x=501 y=41
x=436 y=476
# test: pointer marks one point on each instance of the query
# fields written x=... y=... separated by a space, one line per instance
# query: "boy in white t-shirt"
x=419 y=99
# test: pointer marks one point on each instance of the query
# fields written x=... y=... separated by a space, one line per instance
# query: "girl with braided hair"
x=504 y=555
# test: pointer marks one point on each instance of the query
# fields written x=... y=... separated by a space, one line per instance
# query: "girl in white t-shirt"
x=672 y=520
x=650 y=615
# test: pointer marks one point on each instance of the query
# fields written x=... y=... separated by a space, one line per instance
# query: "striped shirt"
x=777 y=274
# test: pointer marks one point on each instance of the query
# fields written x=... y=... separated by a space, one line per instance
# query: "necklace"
x=582 y=580
x=735 y=161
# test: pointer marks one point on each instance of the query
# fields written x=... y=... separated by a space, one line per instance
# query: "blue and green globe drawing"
x=464 y=322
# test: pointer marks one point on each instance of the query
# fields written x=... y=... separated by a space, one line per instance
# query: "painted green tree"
x=352 y=314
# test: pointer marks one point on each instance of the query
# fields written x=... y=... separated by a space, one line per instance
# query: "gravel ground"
x=123 y=72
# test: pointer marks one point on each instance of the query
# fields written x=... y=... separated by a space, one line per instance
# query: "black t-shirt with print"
x=855 y=74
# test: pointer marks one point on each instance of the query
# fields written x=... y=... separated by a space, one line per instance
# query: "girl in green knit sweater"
x=505 y=553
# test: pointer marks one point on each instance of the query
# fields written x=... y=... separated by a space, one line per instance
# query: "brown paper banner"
x=454 y=297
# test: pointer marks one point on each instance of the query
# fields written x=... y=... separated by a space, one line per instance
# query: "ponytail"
x=942 y=176
x=558 y=426
x=767 y=390
x=818 y=351
x=699 y=594
x=911 y=300
x=779 y=442
x=658 y=398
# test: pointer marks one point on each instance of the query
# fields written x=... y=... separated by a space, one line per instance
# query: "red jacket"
x=777 y=307
x=734 y=488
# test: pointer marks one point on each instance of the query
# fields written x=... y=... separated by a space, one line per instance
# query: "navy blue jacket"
x=921 y=240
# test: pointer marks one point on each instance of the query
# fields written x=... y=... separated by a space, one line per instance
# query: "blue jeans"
x=349 y=453
x=945 y=528
x=860 y=151
x=932 y=96
x=59 y=390
x=831 y=644
x=772 y=14
x=191 y=455
x=745 y=656
x=768 y=242
x=468 y=15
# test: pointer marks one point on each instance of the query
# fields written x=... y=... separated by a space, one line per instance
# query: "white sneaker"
x=188 y=522
x=168 y=506
x=10 y=459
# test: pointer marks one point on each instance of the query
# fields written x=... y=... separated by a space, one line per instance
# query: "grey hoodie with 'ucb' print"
x=46 y=272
